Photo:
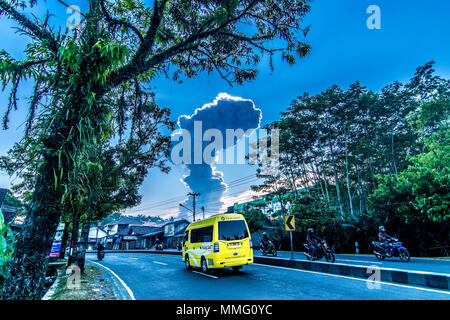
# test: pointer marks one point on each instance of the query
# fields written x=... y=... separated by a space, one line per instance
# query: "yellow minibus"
x=220 y=241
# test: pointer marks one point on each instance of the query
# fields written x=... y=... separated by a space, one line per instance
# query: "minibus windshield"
x=232 y=230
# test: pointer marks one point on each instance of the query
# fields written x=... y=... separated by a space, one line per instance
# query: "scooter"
x=322 y=251
x=159 y=247
x=269 y=250
x=395 y=249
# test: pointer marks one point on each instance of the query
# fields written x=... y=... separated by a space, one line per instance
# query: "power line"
x=163 y=203
x=179 y=198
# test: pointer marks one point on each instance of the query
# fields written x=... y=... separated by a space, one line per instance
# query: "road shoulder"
x=93 y=284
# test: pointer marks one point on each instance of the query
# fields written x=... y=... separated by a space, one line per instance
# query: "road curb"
x=49 y=294
x=425 y=279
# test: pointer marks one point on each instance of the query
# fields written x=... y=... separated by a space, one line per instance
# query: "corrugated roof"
x=140 y=230
x=177 y=221
x=152 y=233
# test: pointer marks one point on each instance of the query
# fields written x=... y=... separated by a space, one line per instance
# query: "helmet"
x=381 y=228
x=310 y=230
x=264 y=234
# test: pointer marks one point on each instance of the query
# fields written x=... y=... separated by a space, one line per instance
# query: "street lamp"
x=181 y=205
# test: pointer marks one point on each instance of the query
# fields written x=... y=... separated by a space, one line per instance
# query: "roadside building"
x=129 y=233
x=147 y=241
x=121 y=225
x=96 y=235
x=135 y=233
x=117 y=233
x=173 y=232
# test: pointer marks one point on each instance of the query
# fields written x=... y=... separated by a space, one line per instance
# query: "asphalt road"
x=415 y=264
x=161 y=277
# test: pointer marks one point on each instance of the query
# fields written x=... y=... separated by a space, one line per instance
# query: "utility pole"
x=203 y=209
x=193 y=194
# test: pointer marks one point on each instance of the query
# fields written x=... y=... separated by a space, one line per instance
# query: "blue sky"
x=344 y=50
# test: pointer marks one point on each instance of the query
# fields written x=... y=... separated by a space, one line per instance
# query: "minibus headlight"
x=216 y=247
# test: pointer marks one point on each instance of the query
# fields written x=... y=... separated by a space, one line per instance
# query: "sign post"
x=289 y=223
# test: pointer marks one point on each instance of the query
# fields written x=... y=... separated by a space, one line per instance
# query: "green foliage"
x=7 y=241
x=256 y=220
x=371 y=158
x=311 y=212
x=421 y=192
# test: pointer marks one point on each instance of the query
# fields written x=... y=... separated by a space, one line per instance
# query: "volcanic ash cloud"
x=224 y=113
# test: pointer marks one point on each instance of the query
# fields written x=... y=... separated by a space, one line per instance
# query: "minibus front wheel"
x=187 y=262
x=205 y=268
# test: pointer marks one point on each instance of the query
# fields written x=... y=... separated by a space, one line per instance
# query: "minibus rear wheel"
x=187 y=263
x=236 y=269
x=205 y=268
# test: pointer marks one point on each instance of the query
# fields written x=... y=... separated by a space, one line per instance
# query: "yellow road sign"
x=289 y=222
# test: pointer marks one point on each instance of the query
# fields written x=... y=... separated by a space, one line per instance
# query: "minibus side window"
x=202 y=235
x=185 y=237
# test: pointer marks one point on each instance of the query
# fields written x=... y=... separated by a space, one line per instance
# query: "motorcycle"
x=100 y=255
x=269 y=250
x=159 y=247
x=322 y=251
x=394 y=249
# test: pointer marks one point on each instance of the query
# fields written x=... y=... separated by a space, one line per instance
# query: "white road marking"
x=359 y=279
x=132 y=258
x=384 y=268
x=118 y=278
x=207 y=275
x=359 y=261
x=162 y=263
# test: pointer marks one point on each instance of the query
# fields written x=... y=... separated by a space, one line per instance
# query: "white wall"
x=93 y=233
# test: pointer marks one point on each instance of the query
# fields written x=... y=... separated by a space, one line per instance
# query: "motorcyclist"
x=265 y=241
x=100 y=249
x=313 y=241
x=157 y=243
x=384 y=239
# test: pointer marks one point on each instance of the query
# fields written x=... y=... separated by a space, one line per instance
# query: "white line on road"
x=384 y=268
x=164 y=264
x=118 y=278
x=351 y=278
x=208 y=275
x=359 y=261
x=132 y=258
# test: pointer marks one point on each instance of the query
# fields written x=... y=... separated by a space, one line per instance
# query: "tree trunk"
x=26 y=273
x=322 y=173
x=83 y=244
x=74 y=240
x=350 y=200
x=393 y=153
x=361 y=191
x=338 y=191
x=305 y=173
x=65 y=237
